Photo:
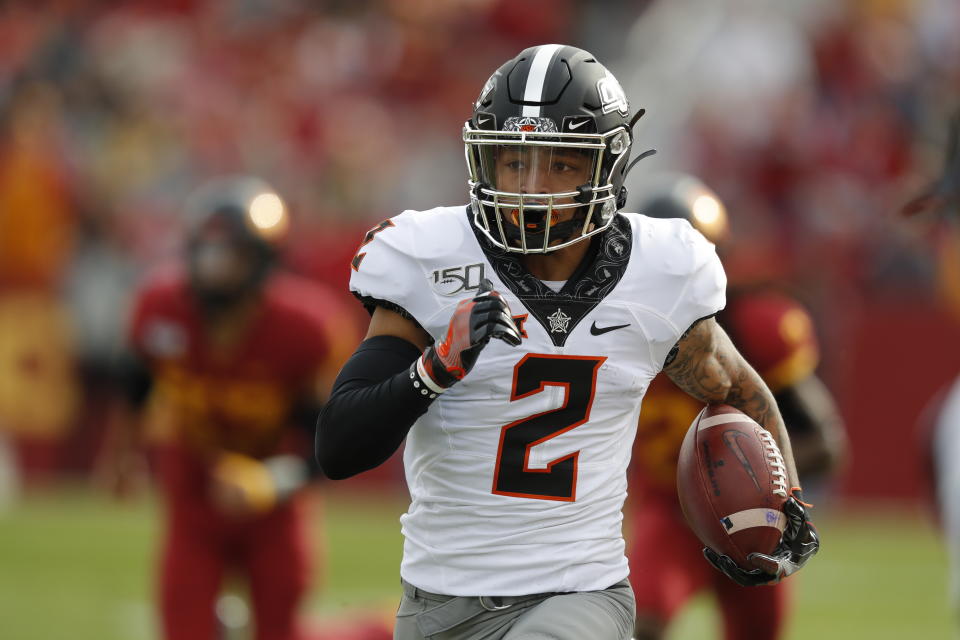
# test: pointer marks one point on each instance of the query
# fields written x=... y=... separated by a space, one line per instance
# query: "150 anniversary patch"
x=454 y=280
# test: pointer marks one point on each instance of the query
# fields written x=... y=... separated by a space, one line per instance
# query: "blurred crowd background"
x=814 y=121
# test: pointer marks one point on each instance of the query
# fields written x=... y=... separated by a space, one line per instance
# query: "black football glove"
x=799 y=543
x=473 y=323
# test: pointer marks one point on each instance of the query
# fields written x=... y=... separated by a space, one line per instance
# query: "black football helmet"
x=550 y=133
x=684 y=196
x=235 y=227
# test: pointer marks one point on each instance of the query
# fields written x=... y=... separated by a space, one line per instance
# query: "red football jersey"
x=775 y=335
x=208 y=398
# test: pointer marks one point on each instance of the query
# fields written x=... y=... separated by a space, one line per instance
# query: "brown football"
x=732 y=484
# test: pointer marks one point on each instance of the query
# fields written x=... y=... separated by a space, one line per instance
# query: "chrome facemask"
x=536 y=190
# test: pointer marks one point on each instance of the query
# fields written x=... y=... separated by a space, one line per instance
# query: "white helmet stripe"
x=536 y=77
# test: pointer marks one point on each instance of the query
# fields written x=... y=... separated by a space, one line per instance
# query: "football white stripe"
x=536 y=77
x=723 y=418
x=754 y=518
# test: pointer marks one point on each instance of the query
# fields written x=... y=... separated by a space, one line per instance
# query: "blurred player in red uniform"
x=233 y=359
x=775 y=334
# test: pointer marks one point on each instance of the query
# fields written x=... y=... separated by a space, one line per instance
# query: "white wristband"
x=423 y=382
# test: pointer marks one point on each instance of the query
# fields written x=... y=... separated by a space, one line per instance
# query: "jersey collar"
x=559 y=312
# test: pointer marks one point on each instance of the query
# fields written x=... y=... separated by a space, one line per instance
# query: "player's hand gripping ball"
x=732 y=485
x=473 y=324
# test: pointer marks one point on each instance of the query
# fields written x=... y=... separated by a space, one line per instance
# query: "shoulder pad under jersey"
x=691 y=283
x=394 y=264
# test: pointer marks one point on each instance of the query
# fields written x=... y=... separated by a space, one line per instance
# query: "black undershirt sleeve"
x=303 y=418
x=371 y=408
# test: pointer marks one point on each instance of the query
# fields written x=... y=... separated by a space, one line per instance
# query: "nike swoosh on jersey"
x=599 y=331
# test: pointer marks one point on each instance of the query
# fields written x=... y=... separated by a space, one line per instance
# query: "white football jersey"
x=517 y=474
x=946 y=450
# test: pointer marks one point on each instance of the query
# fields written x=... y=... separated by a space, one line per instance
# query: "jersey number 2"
x=558 y=481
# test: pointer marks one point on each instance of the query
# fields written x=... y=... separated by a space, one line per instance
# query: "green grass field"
x=75 y=566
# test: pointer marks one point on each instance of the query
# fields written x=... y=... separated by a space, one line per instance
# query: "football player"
x=942 y=420
x=775 y=334
x=511 y=342
x=232 y=356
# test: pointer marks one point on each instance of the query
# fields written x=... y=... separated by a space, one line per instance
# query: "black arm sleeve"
x=304 y=418
x=371 y=408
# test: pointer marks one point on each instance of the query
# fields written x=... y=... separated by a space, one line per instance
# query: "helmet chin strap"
x=561 y=231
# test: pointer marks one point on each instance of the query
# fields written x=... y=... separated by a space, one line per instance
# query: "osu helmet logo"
x=612 y=96
x=486 y=91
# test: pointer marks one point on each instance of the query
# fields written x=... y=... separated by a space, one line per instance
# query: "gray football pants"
x=587 y=615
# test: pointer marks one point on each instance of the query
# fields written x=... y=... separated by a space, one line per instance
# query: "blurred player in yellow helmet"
x=775 y=334
x=231 y=358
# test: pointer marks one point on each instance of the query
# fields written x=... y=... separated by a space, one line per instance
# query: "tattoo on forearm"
x=672 y=354
x=693 y=366
x=703 y=366
x=708 y=367
x=749 y=394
